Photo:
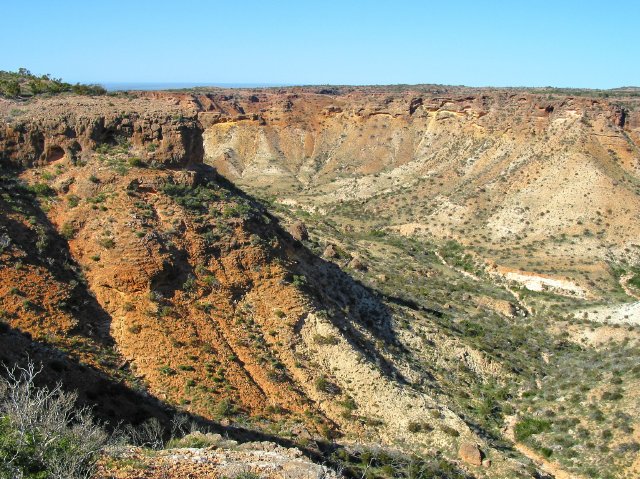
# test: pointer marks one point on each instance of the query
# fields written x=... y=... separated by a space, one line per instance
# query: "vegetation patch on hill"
x=23 y=83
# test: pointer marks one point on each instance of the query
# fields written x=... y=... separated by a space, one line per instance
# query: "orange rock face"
x=175 y=271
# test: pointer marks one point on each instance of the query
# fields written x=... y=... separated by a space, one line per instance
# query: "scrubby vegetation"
x=43 y=433
x=23 y=83
x=380 y=463
x=427 y=312
x=572 y=402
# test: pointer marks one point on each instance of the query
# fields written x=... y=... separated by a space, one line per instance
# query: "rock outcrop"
x=470 y=453
x=298 y=231
x=69 y=129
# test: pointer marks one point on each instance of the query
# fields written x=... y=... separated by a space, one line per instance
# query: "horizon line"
x=189 y=84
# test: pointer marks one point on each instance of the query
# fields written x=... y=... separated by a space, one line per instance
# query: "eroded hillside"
x=524 y=178
x=454 y=237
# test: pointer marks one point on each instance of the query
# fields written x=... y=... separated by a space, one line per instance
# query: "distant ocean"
x=176 y=86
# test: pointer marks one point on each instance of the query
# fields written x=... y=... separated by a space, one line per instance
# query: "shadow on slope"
x=357 y=310
x=42 y=248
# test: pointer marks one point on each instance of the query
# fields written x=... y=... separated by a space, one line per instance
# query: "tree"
x=42 y=432
x=12 y=88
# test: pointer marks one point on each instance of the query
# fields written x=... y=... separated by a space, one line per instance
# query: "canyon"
x=437 y=271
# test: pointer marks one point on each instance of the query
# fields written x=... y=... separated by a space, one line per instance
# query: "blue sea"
x=177 y=85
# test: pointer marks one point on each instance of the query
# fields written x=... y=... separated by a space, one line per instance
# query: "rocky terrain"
x=366 y=274
x=210 y=455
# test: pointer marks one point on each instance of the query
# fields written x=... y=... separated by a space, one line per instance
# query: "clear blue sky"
x=503 y=43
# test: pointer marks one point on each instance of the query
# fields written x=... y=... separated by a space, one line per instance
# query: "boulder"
x=301 y=432
x=357 y=264
x=470 y=453
x=330 y=251
x=299 y=231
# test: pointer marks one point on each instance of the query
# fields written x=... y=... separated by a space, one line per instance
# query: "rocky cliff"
x=498 y=169
x=159 y=132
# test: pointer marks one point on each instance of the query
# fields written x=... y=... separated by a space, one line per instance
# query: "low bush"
x=450 y=431
x=136 y=162
x=42 y=433
x=68 y=231
x=529 y=426
x=73 y=201
x=42 y=189
x=414 y=426
x=328 y=340
x=106 y=242
x=324 y=385
x=149 y=434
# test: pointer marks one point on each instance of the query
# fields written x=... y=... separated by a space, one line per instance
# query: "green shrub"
x=135 y=329
x=190 y=284
x=325 y=340
x=611 y=396
x=225 y=408
x=167 y=371
x=322 y=384
x=414 y=427
x=529 y=426
x=107 y=242
x=136 y=162
x=68 y=231
x=247 y=475
x=10 y=88
x=25 y=83
x=299 y=281
x=450 y=431
x=349 y=404
x=546 y=452
x=210 y=280
x=195 y=440
x=191 y=198
x=73 y=201
x=42 y=189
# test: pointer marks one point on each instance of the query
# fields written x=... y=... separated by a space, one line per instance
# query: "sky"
x=561 y=43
